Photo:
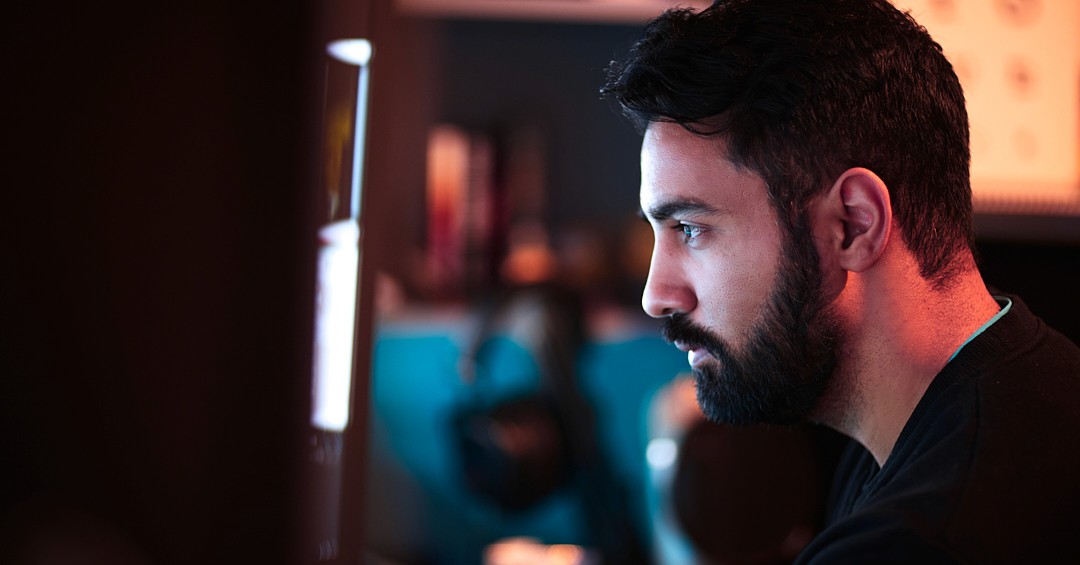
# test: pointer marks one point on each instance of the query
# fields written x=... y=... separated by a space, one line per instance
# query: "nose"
x=666 y=290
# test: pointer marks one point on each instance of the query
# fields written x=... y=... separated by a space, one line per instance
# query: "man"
x=805 y=169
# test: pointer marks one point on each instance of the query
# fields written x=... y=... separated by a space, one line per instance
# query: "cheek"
x=738 y=285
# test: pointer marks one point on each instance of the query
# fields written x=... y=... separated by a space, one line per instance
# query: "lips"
x=695 y=354
x=696 y=341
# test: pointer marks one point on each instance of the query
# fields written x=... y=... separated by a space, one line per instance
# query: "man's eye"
x=689 y=232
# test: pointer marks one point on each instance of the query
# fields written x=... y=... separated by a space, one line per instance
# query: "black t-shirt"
x=986 y=469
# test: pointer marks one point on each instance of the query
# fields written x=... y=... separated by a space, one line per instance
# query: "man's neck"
x=900 y=333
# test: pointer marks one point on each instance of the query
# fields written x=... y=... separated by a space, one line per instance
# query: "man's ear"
x=858 y=212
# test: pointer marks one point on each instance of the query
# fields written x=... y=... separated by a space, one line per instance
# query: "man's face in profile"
x=737 y=293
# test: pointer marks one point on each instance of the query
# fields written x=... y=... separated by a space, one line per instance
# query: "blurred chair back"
x=732 y=495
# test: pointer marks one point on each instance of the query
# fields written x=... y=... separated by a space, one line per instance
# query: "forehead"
x=679 y=165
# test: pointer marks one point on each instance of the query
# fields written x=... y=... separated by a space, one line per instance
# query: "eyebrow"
x=683 y=207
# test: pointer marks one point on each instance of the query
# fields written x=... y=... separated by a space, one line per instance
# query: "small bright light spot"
x=528 y=551
x=661 y=453
x=352 y=51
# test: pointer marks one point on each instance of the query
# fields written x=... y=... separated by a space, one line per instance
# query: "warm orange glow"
x=1018 y=63
x=447 y=171
x=527 y=551
x=447 y=183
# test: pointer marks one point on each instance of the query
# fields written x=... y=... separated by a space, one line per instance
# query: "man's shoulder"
x=1021 y=380
x=985 y=468
x=1020 y=496
x=877 y=537
x=1022 y=343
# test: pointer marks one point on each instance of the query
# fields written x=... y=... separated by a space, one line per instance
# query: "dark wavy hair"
x=803 y=90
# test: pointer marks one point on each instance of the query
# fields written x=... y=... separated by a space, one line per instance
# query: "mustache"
x=679 y=327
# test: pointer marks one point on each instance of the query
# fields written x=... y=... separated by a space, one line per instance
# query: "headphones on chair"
x=516 y=451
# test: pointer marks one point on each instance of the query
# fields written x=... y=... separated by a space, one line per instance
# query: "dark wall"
x=505 y=75
x=157 y=279
x=1044 y=273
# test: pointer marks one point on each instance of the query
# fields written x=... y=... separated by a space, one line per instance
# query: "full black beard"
x=789 y=360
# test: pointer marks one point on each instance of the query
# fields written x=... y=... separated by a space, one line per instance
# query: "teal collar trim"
x=1006 y=304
